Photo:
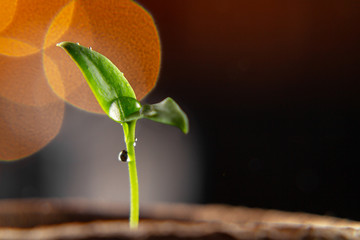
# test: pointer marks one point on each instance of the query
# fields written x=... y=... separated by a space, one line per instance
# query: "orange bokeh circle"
x=36 y=76
x=122 y=31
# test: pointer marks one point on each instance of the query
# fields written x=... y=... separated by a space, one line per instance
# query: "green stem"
x=129 y=132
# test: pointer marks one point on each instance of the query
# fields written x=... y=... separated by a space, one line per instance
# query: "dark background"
x=271 y=90
x=274 y=88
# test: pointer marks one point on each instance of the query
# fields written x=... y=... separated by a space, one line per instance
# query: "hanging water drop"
x=123 y=156
x=90 y=48
x=78 y=43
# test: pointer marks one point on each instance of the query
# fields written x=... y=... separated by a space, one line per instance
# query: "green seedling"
x=117 y=98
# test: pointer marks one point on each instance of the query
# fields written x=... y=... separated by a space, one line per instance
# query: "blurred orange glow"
x=7 y=12
x=26 y=129
x=36 y=76
x=16 y=48
x=59 y=25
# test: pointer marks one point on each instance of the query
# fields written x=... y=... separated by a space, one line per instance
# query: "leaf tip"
x=67 y=45
x=62 y=44
x=185 y=128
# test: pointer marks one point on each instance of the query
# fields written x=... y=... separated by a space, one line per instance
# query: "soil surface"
x=79 y=219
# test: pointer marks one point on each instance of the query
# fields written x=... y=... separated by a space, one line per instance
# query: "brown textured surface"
x=57 y=219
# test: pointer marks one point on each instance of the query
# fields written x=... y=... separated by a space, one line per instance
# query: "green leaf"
x=167 y=112
x=114 y=93
x=110 y=87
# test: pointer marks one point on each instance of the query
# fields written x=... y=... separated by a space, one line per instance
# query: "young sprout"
x=117 y=98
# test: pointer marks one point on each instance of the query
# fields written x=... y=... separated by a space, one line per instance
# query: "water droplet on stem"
x=123 y=156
